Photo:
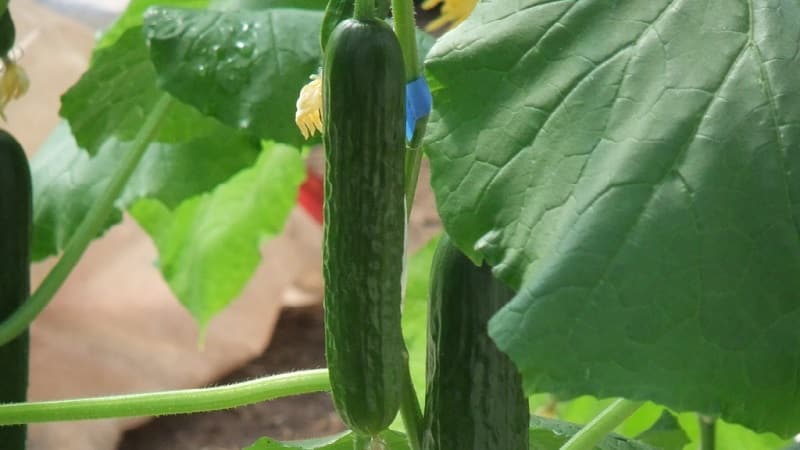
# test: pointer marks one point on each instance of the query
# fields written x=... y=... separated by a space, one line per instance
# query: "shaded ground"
x=298 y=343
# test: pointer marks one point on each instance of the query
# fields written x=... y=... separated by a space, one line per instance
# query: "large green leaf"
x=244 y=68
x=119 y=90
x=551 y=434
x=666 y=433
x=344 y=441
x=209 y=245
x=730 y=436
x=133 y=16
x=66 y=182
x=632 y=166
x=318 y=5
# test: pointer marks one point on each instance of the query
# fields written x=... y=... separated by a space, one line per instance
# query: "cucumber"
x=7 y=33
x=474 y=398
x=364 y=221
x=15 y=234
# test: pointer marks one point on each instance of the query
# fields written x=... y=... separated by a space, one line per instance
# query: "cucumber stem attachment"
x=364 y=9
x=603 y=424
x=19 y=321
x=168 y=402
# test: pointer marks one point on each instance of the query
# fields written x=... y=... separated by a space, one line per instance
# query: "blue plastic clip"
x=418 y=104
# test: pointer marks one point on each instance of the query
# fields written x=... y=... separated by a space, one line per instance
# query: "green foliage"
x=112 y=98
x=344 y=441
x=415 y=313
x=730 y=436
x=244 y=68
x=546 y=434
x=317 y=5
x=67 y=182
x=133 y=16
x=551 y=434
x=209 y=245
x=666 y=433
x=630 y=168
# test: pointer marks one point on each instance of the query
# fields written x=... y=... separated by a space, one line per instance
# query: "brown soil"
x=298 y=343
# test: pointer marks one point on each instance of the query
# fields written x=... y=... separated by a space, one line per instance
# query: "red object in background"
x=312 y=194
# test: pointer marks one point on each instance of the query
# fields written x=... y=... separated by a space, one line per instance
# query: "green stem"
x=169 y=402
x=410 y=410
x=707 y=432
x=414 y=162
x=405 y=27
x=364 y=9
x=19 y=321
x=603 y=424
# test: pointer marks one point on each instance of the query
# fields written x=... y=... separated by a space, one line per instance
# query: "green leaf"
x=632 y=168
x=415 y=313
x=67 y=182
x=133 y=16
x=318 y=5
x=343 y=441
x=666 y=433
x=244 y=68
x=112 y=98
x=584 y=409
x=551 y=434
x=730 y=436
x=209 y=245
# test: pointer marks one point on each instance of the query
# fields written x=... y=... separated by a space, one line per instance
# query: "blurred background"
x=115 y=327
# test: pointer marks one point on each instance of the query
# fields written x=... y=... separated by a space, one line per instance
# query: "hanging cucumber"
x=474 y=398
x=364 y=221
x=7 y=33
x=15 y=232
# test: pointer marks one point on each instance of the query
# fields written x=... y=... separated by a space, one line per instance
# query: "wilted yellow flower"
x=453 y=12
x=308 y=116
x=13 y=84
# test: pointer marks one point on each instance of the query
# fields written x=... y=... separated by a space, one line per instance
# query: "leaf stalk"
x=21 y=319
x=603 y=424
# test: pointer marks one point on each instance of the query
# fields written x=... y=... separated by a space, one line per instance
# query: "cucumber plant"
x=622 y=174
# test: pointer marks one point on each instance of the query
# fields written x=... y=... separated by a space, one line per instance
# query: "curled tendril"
x=308 y=116
x=453 y=12
x=14 y=83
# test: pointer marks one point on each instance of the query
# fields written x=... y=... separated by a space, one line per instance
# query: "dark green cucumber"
x=364 y=225
x=474 y=398
x=7 y=33
x=15 y=233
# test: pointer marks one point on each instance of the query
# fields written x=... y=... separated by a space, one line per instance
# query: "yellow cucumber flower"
x=13 y=84
x=453 y=12
x=308 y=116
